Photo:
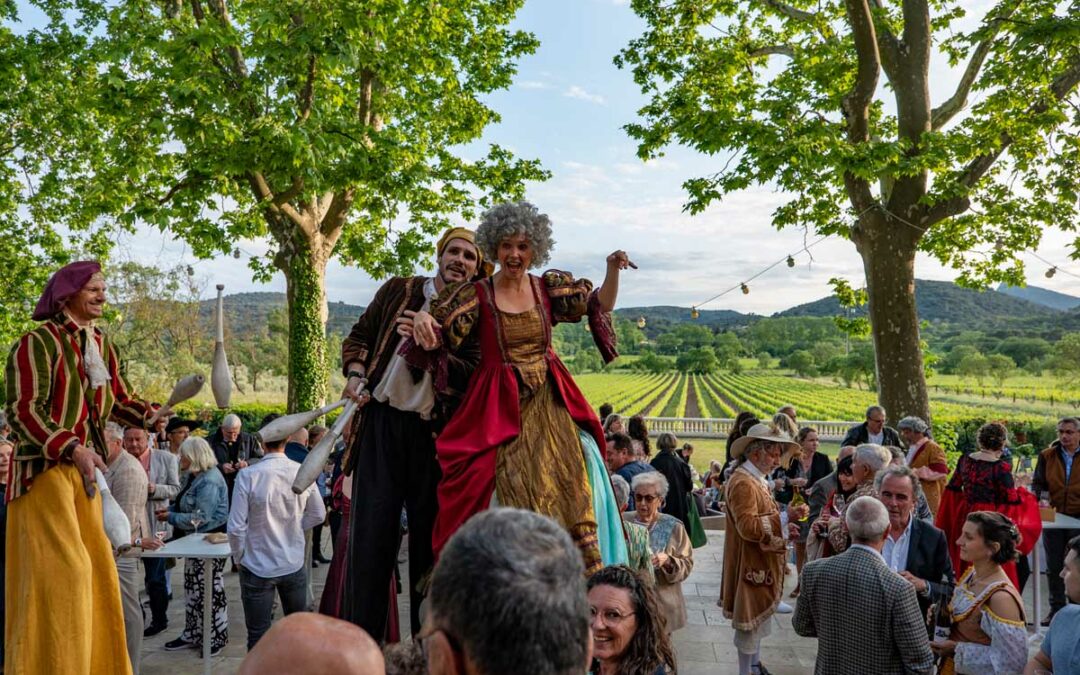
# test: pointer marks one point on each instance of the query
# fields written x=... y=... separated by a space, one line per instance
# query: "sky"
x=567 y=107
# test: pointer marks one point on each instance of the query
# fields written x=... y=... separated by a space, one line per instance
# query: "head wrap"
x=64 y=283
x=483 y=268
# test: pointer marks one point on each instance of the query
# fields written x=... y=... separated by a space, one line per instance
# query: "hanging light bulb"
x=745 y=289
x=641 y=322
x=790 y=261
x=999 y=244
x=1051 y=272
x=190 y=271
x=694 y=313
x=236 y=253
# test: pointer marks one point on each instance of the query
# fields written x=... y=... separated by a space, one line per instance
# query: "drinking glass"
x=197 y=519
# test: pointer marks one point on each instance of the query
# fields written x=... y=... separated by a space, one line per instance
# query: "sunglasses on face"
x=648 y=499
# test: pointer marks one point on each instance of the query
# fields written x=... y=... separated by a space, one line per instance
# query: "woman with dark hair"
x=678 y=476
x=817 y=539
x=638 y=432
x=805 y=470
x=988 y=634
x=743 y=422
x=983 y=481
x=629 y=630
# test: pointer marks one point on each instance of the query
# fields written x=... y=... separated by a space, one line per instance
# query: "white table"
x=196 y=546
x=1061 y=522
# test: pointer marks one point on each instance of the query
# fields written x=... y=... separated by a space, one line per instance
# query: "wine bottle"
x=798 y=500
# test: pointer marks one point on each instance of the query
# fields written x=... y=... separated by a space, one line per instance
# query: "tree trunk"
x=305 y=276
x=889 y=263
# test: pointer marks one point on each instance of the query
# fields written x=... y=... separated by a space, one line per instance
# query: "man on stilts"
x=392 y=454
x=64 y=613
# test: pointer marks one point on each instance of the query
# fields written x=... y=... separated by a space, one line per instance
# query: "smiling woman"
x=524 y=431
x=629 y=631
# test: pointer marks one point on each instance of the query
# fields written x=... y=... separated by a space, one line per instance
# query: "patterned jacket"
x=51 y=405
x=855 y=599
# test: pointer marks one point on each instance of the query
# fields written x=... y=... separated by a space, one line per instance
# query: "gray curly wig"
x=511 y=218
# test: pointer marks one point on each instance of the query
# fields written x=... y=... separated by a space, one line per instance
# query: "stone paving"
x=704 y=646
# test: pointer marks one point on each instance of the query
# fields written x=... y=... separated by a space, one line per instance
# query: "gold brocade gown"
x=543 y=469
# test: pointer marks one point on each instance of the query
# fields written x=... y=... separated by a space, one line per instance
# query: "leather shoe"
x=154 y=628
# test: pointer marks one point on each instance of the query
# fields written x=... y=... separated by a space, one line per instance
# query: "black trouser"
x=395 y=467
x=157 y=591
x=1056 y=542
x=334 y=518
x=257 y=593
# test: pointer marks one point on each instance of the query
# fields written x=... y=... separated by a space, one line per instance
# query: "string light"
x=1051 y=272
x=641 y=322
x=694 y=313
x=1054 y=268
x=744 y=285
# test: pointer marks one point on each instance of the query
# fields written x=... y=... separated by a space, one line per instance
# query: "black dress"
x=680 y=483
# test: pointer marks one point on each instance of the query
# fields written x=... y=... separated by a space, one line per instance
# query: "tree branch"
x=856 y=104
x=363 y=107
x=792 y=12
x=222 y=11
x=307 y=94
x=187 y=181
x=771 y=50
x=334 y=219
x=265 y=194
x=1062 y=86
x=955 y=103
x=888 y=44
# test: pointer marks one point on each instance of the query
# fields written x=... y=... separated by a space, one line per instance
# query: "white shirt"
x=267 y=521
x=877 y=438
x=895 y=551
x=397 y=387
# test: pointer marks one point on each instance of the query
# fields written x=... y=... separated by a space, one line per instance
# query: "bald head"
x=299 y=436
x=313 y=644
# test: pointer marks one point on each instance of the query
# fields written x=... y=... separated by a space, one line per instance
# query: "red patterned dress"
x=981 y=485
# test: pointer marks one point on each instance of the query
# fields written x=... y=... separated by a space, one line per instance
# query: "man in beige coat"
x=128 y=483
x=755 y=546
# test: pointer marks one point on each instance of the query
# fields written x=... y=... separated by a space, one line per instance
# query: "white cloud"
x=534 y=84
x=578 y=92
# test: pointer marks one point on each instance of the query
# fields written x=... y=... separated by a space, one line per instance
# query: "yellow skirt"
x=543 y=470
x=63 y=609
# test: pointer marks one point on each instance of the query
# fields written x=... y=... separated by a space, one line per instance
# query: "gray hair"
x=873 y=455
x=867 y=520
x=198 y=451
x=845 y=451
x=621 y=489
x=509 y=573
x=652 y=478
x=897 y=454
x=1070 y=420
x=875 y=408
x=231 y=421
x=512 y=218
x=904 y=471
x=666 y=441
x=113 y=432
x=912 y=423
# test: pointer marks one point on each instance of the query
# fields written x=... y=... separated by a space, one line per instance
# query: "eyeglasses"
x=880 y=420
x=609 y=616
x=648 y=499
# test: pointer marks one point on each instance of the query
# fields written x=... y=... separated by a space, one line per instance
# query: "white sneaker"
x=784 y=608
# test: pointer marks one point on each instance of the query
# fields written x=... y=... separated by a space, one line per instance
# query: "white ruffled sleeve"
x=1005 y=655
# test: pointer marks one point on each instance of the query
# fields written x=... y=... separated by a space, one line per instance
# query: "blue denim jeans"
x=257 y=594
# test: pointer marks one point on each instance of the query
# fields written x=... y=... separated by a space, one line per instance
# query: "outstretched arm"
x=616 y=263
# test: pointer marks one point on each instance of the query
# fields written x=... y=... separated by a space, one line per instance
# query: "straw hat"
x=761 y=432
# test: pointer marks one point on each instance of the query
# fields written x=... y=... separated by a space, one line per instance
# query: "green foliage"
x=264 y=350
x=974 y=366
x=322 y=128
x=802 y=362
x=699 y=361
x=850 y=299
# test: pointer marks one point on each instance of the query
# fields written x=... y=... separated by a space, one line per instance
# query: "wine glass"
x=197 y=519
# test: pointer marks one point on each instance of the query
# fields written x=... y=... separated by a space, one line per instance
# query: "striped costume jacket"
x=866 y=617
x=51 y=405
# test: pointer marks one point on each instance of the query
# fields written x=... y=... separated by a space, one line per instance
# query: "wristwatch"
x=138 y=542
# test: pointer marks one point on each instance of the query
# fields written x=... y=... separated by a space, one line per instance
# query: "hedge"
x=251 y=415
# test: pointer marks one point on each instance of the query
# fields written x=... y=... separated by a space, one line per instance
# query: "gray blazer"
x=865 y=616
x=165 y=477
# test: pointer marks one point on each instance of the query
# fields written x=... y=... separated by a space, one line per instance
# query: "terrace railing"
x=694 y=427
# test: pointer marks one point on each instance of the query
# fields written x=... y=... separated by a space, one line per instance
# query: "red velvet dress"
x=978 y=485
x=490 y=415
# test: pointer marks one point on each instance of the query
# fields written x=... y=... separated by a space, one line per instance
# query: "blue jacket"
x=206 y=491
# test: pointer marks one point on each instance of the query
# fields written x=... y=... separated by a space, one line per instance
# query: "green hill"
x=945 y=302
x=1041 y=296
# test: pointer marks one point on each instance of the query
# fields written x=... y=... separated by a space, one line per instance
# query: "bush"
x=251 y=415
x=961 y=435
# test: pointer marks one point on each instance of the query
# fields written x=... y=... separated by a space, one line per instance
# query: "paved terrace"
x=704 y=646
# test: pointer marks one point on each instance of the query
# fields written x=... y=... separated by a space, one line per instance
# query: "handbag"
x=698 y=538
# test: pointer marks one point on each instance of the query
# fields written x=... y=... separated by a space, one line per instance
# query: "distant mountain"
x=944 y=301
x=659 y=317
x=1041 y=296
x=246 y=310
